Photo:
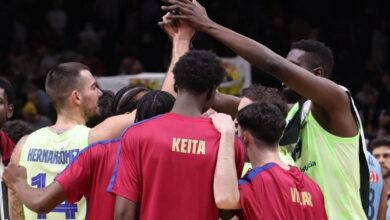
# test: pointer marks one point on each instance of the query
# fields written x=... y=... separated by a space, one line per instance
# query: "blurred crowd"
x=122 y=37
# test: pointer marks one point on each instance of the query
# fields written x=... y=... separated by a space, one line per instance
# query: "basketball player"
x=272 y=189
x=166 y=164
x=89 y=174
x=330 y=150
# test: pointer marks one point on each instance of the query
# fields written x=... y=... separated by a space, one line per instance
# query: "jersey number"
x=68 y=209
x=371 y=208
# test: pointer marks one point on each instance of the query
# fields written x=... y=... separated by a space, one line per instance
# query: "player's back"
x=271 y=192
x=89 y=175
x=175 y=159
x=45 y=154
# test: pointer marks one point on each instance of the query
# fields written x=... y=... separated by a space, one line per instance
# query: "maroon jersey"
x=167 y=166
x=6 y=147
x=88 y=175
x=270 y=192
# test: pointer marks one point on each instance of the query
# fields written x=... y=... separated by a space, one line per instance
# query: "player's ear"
x=75 y=97
x=319 y=71
x=175 y=87
x=10 y=111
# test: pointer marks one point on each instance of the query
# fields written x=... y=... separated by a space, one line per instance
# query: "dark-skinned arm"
x=41 y=200
x=331 y=103
x=15 y=206
x=124 y=209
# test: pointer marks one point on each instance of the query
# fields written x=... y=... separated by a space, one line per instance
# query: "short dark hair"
x=380 y=141
x=259 y=93
x=105 y=107
x=321 y=54
x=126 y=99
x=154 y=103
x=16 y=129
x=61 y=80
x=264 y=121
x=8 y=90
x=198 y=71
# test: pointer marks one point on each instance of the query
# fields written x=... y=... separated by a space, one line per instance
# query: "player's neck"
x=67 y=120
x=188 y=104
x=261 y=157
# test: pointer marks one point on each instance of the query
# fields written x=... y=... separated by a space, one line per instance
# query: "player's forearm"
x=179 y=48
x=317 y=89
x=41 y=200
x=111 y=128
x=227 y=104
x=252 y=51
x=226 y=192
x=15 y=206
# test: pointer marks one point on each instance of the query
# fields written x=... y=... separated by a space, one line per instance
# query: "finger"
x=164 y=18
x=177 y=2
x=178 y=6
x=183 y=17
x=196 y=3
x=175 y=7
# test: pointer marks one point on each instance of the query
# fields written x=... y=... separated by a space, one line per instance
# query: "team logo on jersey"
x=374 y=177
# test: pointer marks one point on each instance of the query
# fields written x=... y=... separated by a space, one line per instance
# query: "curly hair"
x=154 y=103
x=16 y=129
x=198 y=71
x=264 y=121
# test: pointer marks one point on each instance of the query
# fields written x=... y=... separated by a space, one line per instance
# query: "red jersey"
x=6 y=147
x=167 y=165
x=88 y=175
x=270 y=192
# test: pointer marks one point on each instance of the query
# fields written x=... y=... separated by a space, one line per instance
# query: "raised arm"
x=181 y=35
x=15 y=206
x=226 y=193
x=38 y=200
x=332 y=101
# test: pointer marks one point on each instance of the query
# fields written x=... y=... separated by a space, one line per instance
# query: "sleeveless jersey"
x=45 y=154
x=376 y=186
x=284 y=155
x=333 y=163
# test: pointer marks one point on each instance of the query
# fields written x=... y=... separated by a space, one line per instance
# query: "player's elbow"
x=40 y=208
x=227 y=200
x=40 y=205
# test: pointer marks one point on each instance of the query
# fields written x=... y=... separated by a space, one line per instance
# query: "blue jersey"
x=376 y=186
x=387 y=209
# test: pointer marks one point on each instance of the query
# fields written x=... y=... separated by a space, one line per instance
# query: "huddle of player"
x=177 y=163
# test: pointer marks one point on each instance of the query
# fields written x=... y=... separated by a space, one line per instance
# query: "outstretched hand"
x=176 y=29
x=223 y=123
x=14 y=174
x=189 y=11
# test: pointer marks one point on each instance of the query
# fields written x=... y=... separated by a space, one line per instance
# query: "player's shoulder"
x=256 y=173
x=147 y=123
x=101 y=146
